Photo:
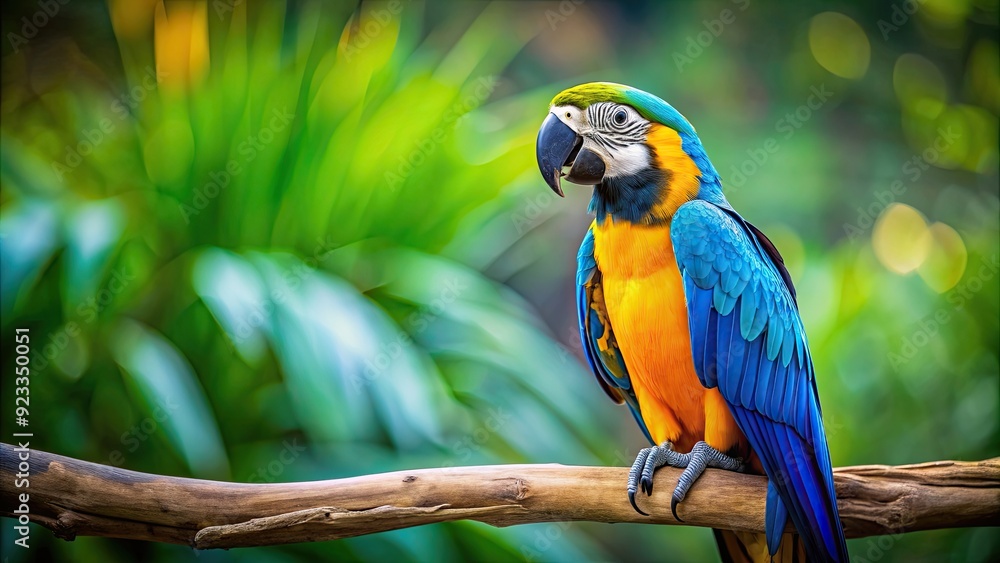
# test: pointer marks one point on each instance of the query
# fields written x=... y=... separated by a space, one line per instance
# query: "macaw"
x=688 y=315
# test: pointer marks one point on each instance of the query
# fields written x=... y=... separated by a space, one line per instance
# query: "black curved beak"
x=558 y=146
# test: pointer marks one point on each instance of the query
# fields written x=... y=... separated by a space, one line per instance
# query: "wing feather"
x=747 y=339
x=598 y=339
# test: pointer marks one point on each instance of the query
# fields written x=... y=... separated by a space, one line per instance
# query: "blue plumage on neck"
x=629 y=198
x=710 y=189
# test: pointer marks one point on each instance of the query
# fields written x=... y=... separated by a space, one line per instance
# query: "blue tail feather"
x=775 y=517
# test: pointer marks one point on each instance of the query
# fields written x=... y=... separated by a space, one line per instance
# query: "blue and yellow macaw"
x=688 y=316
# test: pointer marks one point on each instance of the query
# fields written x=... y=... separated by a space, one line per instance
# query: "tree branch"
x=73 y=497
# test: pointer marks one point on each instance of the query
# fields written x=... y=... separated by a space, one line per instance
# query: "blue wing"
x=599 y=343
x=747 y=339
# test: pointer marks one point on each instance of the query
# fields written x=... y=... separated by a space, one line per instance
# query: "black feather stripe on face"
x=631 y=198
x=609 y=144
x=601 y=117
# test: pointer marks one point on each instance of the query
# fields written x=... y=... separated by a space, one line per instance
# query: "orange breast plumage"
x=644 y=297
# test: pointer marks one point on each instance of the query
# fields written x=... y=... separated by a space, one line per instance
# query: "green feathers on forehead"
x=586 y=94
x=648 y=105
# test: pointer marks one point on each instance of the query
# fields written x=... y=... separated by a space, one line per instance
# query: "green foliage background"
x=248 y=232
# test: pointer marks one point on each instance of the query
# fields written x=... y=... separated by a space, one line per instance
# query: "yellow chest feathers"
x=627 y=250
x=644 y=298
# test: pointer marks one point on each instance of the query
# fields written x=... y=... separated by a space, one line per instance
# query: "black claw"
x=647 y=486
x=673 y=508
x=631 y=498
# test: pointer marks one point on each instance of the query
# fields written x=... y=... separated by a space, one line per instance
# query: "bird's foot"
x=649 y=459
x=702 y=455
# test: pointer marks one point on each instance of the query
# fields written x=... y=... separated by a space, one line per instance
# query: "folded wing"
x=599 y=343
x=747 y=339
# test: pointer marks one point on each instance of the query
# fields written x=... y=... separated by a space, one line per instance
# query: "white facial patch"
x=572 y=116
x=626 y=161
x=622 y=147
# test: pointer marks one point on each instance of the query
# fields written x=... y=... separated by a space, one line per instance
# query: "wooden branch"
x=73 y=497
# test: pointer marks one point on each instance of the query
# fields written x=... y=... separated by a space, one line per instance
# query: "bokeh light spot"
x=919 y=85
x=946 y=258
x=839 y=45
x=980 y=149
x=945 y=13
x=181 y=42
x=132 y=19
x=901 y=239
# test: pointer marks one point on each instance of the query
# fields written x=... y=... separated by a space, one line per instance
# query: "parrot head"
x=642 y=157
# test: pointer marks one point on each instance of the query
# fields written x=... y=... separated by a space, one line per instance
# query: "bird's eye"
x=620 y=117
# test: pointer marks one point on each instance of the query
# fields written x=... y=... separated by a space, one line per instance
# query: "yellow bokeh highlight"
x=370 y=37
x=839 y=45
x=971 y=134
x=919 y=85
x=946 y=259
x=132 y=19
x=181 y=42
x=366 y=44
x=900 y=238
x=980 y=152
x=960 y=136
x=947 y=13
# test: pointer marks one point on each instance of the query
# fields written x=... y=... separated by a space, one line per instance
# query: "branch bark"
x=73 y=497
